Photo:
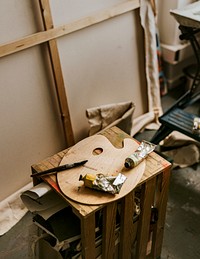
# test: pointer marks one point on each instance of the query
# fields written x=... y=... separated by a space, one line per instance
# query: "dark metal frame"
x=175 y=118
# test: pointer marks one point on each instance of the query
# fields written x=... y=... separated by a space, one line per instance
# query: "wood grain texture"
x=127 y=228
x=161 y=204
x=88 y=236
x=108 y=233
x=154 y=189
x=57 y=74
x=155 y=164
x=147 y=200
x=109 y=162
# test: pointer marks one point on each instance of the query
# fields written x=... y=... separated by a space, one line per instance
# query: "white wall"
x=167 y=25
x=114 y=70
x=30 y=128
x=101 y=64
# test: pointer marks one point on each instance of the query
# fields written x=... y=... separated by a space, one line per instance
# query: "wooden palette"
x=104 y=158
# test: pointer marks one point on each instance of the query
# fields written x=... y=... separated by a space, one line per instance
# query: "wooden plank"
x=127 y=227
x=161 y=205
x=147 y=200
x=88 y=237
x=108 y=234
x=58 y=76
x=154 y=165
x=53 y=33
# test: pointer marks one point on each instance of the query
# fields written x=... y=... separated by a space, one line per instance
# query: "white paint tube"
x=140 y=154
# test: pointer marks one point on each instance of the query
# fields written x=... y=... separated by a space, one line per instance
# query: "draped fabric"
x=148 y=22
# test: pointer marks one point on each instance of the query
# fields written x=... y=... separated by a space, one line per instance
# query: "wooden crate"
x=139 y=237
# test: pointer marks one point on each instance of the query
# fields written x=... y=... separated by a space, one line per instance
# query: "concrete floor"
x=182 y=227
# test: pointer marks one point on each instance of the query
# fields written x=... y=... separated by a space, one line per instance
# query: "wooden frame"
x=53 y=33
x=49 y=35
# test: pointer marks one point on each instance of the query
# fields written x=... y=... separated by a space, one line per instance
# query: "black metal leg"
x=160 y=134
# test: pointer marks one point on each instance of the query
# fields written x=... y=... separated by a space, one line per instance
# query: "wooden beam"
x=53 y=33
x=57 y=72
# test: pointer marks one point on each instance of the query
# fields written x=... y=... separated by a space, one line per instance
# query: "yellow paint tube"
x=110 y=184
x=88 y=179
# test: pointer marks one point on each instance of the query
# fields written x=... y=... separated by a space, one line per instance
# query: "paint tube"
x=140 y=154
x=196 y=125
x=110 y=184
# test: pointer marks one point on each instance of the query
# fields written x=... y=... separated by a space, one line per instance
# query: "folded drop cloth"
x=12 y=210
x=184 y=150
x=109 y=115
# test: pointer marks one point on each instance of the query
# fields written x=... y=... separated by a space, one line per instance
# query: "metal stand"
x=176 y=118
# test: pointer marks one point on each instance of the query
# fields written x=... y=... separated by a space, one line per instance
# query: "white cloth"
x=148 y=22
x=12 y=210
x=184 y=150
